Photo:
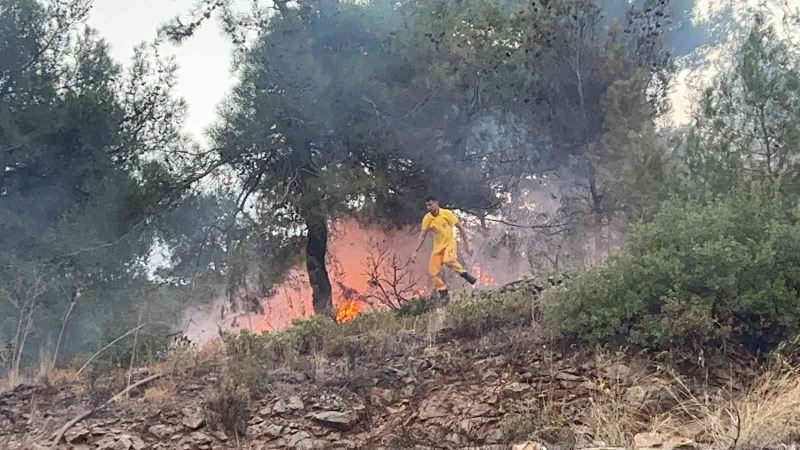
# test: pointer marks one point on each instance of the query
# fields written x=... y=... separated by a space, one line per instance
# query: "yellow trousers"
x=447 y=257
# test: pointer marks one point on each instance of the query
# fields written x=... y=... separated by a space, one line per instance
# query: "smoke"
x=354 y=248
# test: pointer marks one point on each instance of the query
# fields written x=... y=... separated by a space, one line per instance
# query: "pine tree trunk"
x=316 y=249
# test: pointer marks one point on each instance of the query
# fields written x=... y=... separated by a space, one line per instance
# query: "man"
x=440 y=222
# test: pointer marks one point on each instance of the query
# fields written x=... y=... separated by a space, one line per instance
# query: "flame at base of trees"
x=348 y=311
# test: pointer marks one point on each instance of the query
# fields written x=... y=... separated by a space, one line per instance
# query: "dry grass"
x=161 y=392
x=11 y=381
x=767 y=413
x=609 y=419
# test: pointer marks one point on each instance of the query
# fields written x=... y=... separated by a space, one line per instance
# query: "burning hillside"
x=371 y=269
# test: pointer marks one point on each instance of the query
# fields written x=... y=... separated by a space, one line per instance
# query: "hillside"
x=478 y=373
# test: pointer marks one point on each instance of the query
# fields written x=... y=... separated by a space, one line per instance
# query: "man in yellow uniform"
x=440 y=222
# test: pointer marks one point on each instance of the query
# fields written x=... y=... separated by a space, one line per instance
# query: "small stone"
x=266 y=411
x=137 y=443
x=566 y=376
x=162 y=431
x=528 y=446
x=495 y=436
x=635 y=395
x=220 y=435
x=618 y=372
x=77 y=435
x=111 y=443
x=335 y=419
x=295 y=403
x=280 y=407
x=652 y=441
x=590 y=386
x=201 y=438
x=274 y=430
x=300 y=440
x=382 y=397
x=489 y=375
x=192 y=419
x=454 y=438
x=517 y=387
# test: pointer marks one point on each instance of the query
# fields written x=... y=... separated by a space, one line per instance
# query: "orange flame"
x=483 y=278
x=348 y=311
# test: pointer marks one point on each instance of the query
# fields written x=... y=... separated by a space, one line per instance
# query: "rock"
x=274 y=430
x=138 y=444
x=528 y=446
x=590 y=386
x=77 y=435
x=652 y=441
x=382 y=397
x=266 y=411
x=200 y=438
x=618 y=371
x=432 y=408
x=335 y=419
x=295 y=403
x=635 y=395
x=300 y=440
x=280 y=407
x=489 y=375
x=220 y=435
x=111 y=443
x=566 y=376
x=495 y=436
x=192 y=419
x=453 y=438
x=121 y=442
x=516 y=387
x=161 y=431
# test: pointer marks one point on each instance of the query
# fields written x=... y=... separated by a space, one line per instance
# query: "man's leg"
x=435 y=271
x=451 y=261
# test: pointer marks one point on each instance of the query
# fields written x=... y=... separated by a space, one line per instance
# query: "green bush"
x=226 y=407
x=474 y=316
x=702 y=275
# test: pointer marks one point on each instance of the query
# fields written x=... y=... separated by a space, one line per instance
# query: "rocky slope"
x=421 y=390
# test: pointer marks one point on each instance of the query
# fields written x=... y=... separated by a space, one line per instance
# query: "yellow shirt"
x=442 y=227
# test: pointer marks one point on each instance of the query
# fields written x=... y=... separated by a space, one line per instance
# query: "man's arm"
x=464 y=237
x=422 y=235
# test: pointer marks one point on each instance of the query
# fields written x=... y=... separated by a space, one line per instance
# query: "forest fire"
x=348 y=311
x=369 y=269
x=483 y=278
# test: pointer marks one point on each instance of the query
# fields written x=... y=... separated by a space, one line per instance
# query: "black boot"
x=470 y=279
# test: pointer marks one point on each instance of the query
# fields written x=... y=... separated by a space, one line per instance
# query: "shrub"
x=473 y=316
x=702 y=275
x=226 y=407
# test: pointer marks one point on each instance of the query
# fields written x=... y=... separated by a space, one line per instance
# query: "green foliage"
x=74 y=192
x=747 y=123
x=475 y=316
x=701 y=276
x=318 y=335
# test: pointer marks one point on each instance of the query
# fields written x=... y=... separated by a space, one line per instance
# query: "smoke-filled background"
x=548 y=126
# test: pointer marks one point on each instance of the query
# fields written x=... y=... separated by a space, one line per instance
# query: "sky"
x=204 y=76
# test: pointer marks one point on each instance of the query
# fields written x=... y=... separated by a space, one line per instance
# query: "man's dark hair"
x=431 y=198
